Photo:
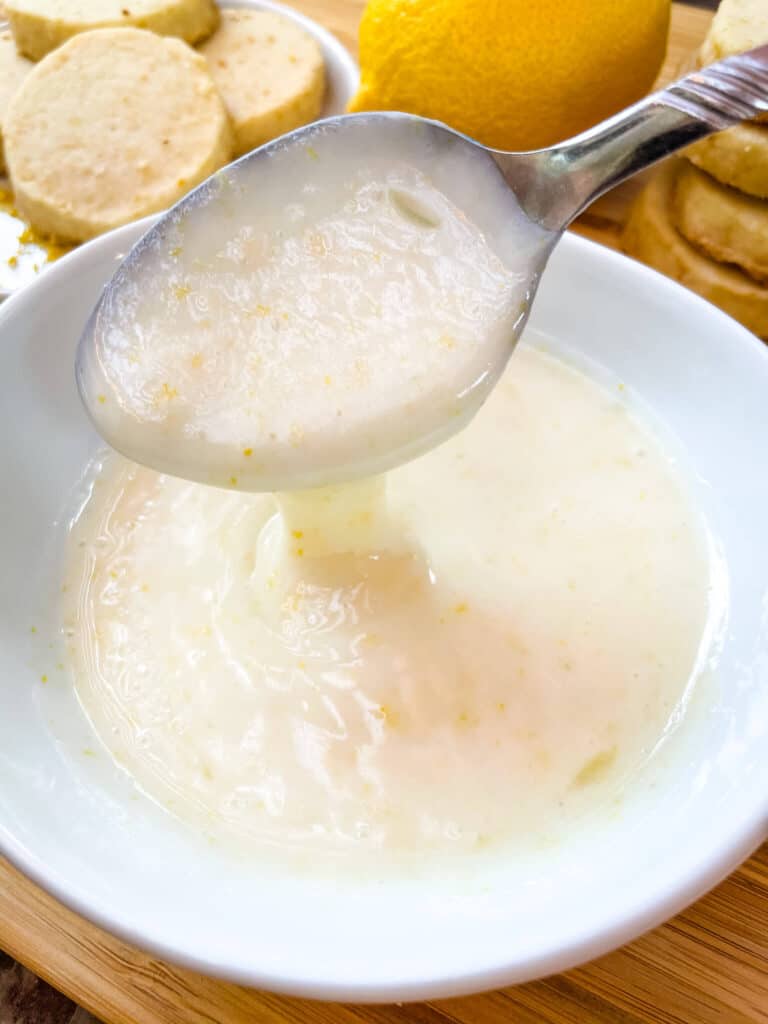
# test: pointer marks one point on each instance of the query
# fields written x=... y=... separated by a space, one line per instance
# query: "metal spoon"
x=550 y=186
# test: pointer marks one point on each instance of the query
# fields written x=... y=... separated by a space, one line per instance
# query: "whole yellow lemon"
x=514 y=74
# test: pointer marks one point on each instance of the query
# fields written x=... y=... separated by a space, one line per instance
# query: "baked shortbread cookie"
x=729 y=225
x=115 y=124
x=737 y=157
x=738 y=25
x=39 y=26
x=13 y=70
x=650 y=236
x=270 y=73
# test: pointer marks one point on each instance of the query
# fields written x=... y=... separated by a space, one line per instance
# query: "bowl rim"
x=702 y=869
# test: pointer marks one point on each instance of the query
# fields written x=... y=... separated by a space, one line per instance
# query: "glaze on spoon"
x=339 y=301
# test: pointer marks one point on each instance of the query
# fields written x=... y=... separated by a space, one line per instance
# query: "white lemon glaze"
x=481 y=648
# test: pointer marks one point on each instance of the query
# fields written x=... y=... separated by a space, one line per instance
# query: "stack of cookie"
x=107 y=113
x=703 y=219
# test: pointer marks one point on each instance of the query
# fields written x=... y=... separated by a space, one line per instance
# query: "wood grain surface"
x=709 y=965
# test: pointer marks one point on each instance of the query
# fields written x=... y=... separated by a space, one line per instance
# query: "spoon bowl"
x=248 y=296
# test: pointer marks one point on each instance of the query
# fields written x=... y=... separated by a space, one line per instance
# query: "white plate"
x=21 y=262
x=73 y=823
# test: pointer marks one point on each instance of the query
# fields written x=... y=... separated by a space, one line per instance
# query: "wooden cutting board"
x=707 y=966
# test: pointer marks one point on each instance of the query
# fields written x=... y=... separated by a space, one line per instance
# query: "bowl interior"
x=72 y=820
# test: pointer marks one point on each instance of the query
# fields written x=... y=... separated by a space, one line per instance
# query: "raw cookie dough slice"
x=737 y=157
x=13 y=70
x=39 y=26
x=728 y=225
x=115 y=124
x=270 y=73
x=651 y=237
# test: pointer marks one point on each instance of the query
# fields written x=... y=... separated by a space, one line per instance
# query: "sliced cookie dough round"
x=651 y=237
x=270 y=73
x=13 y=70
x=115 y=124
x=737 y=157
x=728 y=225
x=39 y=26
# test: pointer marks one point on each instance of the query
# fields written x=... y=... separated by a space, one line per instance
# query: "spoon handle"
x=555 y=185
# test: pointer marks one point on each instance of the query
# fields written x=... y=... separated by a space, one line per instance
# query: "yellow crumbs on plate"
x=20 y=243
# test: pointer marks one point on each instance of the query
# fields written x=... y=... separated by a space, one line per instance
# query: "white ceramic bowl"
x=73 y=823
